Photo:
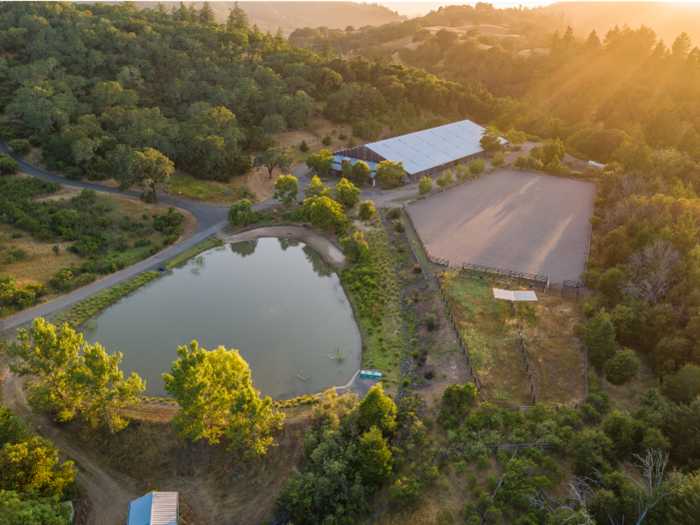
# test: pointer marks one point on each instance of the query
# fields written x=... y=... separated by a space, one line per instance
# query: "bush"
x=406 y=383
x=477 y=166
x=684 y=386
x=498 y=159
x=343 y=136
x=304 y=147
x=471 y=480
x=492 y=484
x=326 y=141
x=352 y=143
x=462 y=172
x=398 y=226
x=483 y=462
x=425 y=186
x=241 y=213
x=394 y=213
x=446 y=179
x=366 y=210
x=16 y=256
x=431 y=322
x=170 y=223
x=417 y=269
x=7 y=165
x=622 y=367
x=19 y=147
x=415 y=354
x=429 y=374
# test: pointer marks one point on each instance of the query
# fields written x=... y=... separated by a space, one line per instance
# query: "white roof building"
x=426 y=152
x=156 y=508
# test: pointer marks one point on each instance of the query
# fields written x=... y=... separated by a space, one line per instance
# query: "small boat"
x=370 y=373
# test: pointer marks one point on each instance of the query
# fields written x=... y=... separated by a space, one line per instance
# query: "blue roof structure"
x=338 y=164
x=156 y=508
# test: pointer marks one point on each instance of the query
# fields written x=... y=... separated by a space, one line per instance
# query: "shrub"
x=16 y=256
x=352 y=143
x=170 y=223
x=492 y=484
x=498 y=159
x=394 y=213
x=684 y=386
x=446 y=179
x=471 y=480
x=415 y=354
x=304 y=147
x=622 y=367
x=429 y=374
x=16 y=235
x=483 y=462
x=366 y=210
x=417 y=269
x=241 y=213
x=398 y=226
x=461 y=466
x=7 y=165
x=406 y=383
x=327 y=140
x=462 y=172
x=19 y=147
x=430 y=322
x=425 y=185
x=343 y=136
x=477 y=166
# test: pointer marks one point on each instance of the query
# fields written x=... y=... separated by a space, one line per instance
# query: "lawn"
x=182 y=185
x=488 y=329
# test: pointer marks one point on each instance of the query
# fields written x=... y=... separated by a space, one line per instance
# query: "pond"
x=275 y=300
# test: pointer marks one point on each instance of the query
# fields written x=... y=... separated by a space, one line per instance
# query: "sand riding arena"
x=512 y=220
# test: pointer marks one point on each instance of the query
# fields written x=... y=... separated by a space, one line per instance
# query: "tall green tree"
x=374 y=457
x=216 y=396
x=19 y=510
x=377 y=410
x=206 y=14
x=52 y=357
x=98 y=375
x=361 y=172
x=287 y=188
x=490 y=140
x=272 y=158
x=389 y=171
x=241 y=213
x=600 y=338
x=237 y=18
x=150 y=170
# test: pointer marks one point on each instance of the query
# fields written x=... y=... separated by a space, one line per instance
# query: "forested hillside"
x=93 y=84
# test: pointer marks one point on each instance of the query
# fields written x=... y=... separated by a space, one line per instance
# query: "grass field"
x=182 y=185
x=488 y=329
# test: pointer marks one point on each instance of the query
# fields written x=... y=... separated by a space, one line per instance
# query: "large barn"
x=423 y=153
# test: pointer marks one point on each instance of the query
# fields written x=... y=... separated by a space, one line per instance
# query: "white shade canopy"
x=511 y=295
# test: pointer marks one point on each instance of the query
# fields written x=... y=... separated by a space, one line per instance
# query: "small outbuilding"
x=156 y=508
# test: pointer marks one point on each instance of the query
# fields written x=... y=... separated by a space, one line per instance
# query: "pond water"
x=275 y=300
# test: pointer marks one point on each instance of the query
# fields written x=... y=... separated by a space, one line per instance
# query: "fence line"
x=526 y=359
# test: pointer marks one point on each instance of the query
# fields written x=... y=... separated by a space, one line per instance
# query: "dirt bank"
x=328 y=250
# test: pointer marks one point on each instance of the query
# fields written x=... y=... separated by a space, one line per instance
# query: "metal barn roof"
x=431 y=147
x=156 y=508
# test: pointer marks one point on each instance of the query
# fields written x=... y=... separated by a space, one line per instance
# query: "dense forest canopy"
x=93 y=84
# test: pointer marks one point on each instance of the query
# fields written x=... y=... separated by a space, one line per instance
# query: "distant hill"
x=292 y=15
x=667 y=19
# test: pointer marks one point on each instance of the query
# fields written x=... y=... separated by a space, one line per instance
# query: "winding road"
x=210 y=220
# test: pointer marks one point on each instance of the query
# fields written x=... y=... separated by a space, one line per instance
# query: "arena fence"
x=526 y=359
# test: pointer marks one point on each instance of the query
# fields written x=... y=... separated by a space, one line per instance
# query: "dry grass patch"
x=488 y=329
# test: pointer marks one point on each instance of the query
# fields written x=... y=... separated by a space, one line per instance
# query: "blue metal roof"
x=338 y=164
x=156 y=508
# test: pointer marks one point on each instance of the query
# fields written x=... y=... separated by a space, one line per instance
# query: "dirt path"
x=110 y=501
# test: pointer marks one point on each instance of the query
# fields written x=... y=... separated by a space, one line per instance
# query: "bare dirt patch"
x=294 y=138
x=512 y=220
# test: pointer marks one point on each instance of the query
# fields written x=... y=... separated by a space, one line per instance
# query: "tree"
x=322 y=162
x=237 y=19
x=490 y=141
x=51 y=357
x=684 y=504
x=377 y=409
x=446 y=179
x=622 y=367
x=303 y=147
x=17 y=509
x=389 y=171
x=30 y=466
x=351 y=142
x=591 y=450
x=274 y=158
x=374 y=458
x=206 y=14
x=361 y=172
x=425 y=185
x=366 y=210
x=19 y=147
x=212 y=388
x=251 y=417
x=346 y=193
x=287 y=189
x=98 y=375
x=600 y=338
x=149 y=169
x=241 y=213
x=683 y=386
x=325 y=213
x=316 y=188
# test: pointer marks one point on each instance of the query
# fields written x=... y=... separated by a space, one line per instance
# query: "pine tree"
x=237 y=18
x=206 y=14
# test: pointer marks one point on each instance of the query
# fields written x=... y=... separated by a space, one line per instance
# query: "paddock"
x=513 y=220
